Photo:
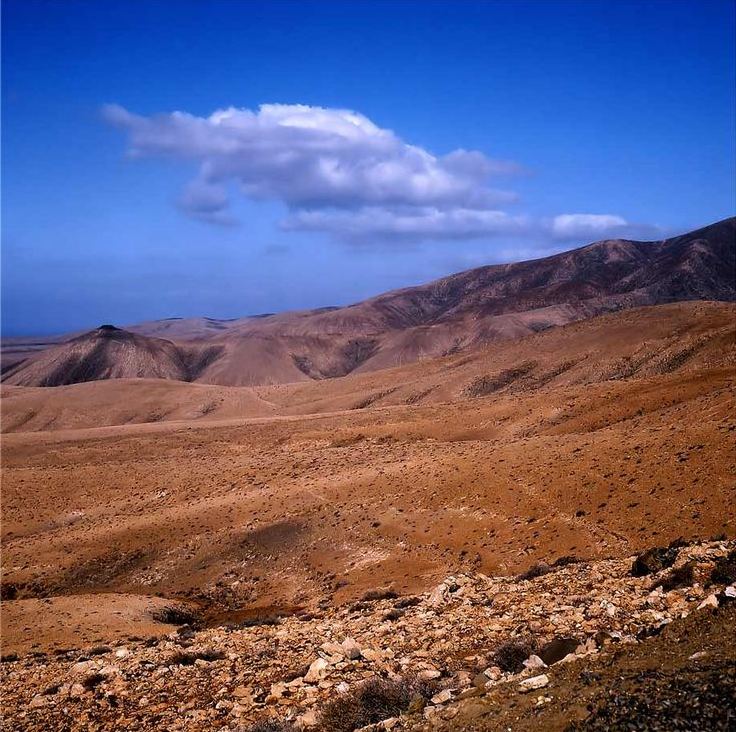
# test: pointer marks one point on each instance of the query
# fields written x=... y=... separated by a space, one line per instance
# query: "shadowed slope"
x=111 y=353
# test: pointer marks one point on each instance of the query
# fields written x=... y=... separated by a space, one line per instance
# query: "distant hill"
x=110 y=353
x=452 y=314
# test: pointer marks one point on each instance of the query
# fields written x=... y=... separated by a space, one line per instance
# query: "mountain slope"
x=455 y=313
x=652 y=342
x=110 y=353
x=477 y=307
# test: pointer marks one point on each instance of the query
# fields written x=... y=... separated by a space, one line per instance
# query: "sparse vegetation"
x=394 y=614
x=488 y=384
x=536 y=570
x=260 y=620
x=373 y=701
x=656 y=559
x=566 y=561
x=373 y=398
x=272 y=725
x=510 y=656
x=404 y=602
x=724 y=573
x=175 y=615
x=683 y=576
x=187 y=658
x=383 y=593
x=93 y=680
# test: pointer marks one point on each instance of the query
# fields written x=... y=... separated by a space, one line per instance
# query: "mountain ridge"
x=454 y=313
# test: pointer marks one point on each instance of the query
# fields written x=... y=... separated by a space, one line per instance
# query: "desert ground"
x=597 y=440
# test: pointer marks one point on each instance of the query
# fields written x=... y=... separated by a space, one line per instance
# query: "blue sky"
x=432 y=137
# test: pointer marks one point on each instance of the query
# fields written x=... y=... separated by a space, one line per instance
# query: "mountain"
x=452 y=314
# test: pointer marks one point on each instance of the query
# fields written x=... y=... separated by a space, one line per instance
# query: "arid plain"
x=596 y=439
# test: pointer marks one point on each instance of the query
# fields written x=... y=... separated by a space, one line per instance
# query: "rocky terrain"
x=456 y=313
x=475 y=652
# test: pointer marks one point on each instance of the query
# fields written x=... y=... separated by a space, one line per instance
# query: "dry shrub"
x=536 y=570
x=373 y=701
x=379 y=594
x=655 y=559
x=510 y=656
x=724 y=573
x=566 y=561
x=272 y=725
x=681 y=577
x=175 y=615
x=187 y=658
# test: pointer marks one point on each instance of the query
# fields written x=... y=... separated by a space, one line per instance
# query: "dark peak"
x=107 y=332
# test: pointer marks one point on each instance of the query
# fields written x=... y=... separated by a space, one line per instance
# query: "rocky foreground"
x=477 y=652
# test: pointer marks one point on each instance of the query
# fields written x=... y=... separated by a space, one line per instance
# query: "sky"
x=179 y=158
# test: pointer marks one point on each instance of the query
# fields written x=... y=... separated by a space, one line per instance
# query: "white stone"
x=710 y=601
x=534 y=661
x=535 y=682
x=443 y=696
x=317 y=671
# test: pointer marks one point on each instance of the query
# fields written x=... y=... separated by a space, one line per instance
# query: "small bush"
x=173 y=615
x=373 y=701
x=567 y=560
x=724 y=573
x=384 y=593
x=394 y=614
x=8 y=591
x=681 y=577
x=655 y=559
x=272 y=725
x=536 y=570
x=260 y=620
x=93 y=680
x=510 y=656
x=405 y=602
x=187 y=658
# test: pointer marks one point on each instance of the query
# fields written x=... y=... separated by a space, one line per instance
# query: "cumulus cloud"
x=338 y=172
x=587 y=227
x=334 y=168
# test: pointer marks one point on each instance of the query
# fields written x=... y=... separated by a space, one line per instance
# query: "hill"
x=452 y=314
x=641 y=342
x=110 y=353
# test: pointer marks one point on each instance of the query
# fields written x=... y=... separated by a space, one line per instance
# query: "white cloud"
x=425 y=223
x=334 y=168
x=588 y=227
x=573 y=226
x=338 y=172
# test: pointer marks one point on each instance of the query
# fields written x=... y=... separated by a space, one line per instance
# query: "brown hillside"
x=453 y=314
